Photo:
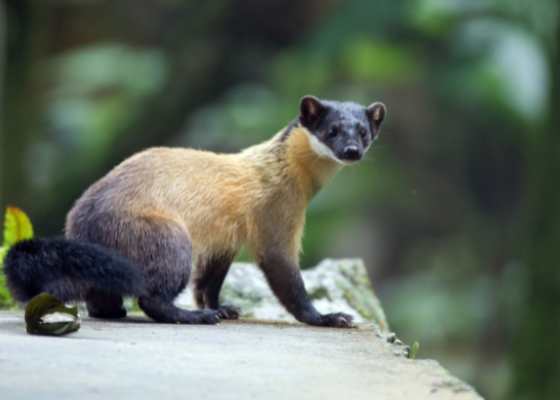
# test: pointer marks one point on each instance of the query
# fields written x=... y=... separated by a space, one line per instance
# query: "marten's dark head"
x=341 y=131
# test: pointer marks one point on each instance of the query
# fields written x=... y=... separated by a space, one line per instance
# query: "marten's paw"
x=338 y=320
x=229 y=311
x=203 y=317
x=108 y=313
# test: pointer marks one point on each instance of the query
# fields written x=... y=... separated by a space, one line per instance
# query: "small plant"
x=415 y=348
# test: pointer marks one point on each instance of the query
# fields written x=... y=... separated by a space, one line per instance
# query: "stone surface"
x=138 y=359
x=333 y=285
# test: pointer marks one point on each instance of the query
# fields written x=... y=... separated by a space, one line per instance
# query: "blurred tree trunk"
x=3 y=38
x=27 y=41
x=536 y=348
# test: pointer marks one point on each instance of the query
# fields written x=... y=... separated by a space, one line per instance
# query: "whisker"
x=371 y=160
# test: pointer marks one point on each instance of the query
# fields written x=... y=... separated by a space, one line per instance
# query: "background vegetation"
x=457 y=209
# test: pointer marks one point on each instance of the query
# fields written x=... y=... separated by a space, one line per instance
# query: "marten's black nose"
x=352 y=153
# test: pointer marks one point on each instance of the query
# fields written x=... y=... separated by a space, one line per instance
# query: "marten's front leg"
x=284 y=277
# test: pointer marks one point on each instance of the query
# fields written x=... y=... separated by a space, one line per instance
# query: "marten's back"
x=208 y=193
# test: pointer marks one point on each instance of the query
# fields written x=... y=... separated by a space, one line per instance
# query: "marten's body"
x=164 y=207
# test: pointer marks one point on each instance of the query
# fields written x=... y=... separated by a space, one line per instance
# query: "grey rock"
x=333 y=285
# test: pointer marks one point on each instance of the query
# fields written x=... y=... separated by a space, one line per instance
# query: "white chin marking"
x=320 y=149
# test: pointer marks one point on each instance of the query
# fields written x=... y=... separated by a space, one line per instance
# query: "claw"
x=338 y=320
x=229 y=311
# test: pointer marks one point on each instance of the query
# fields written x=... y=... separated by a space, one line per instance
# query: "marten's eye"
x=363 y=133
x=333 y=131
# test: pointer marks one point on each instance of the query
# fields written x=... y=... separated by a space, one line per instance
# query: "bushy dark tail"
x=68 y=269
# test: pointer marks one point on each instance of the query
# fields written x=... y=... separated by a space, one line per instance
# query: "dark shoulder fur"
x=289 y=129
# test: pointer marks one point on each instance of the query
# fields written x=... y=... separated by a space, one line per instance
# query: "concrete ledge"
x=136 y=358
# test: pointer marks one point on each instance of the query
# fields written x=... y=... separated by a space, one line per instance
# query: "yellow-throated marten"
x=136 y=231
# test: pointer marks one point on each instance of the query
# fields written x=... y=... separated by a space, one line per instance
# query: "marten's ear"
x=311 y=112
x=376 y=114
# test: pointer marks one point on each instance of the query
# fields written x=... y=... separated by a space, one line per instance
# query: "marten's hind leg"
x=163 y=248
x=209 y=276
x=105 y=305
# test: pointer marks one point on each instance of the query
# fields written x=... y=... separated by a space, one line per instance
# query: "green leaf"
x=3 y=251
x=45 y=314
x=17 y=227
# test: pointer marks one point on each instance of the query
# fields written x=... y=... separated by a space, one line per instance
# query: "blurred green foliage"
x=445 y=208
